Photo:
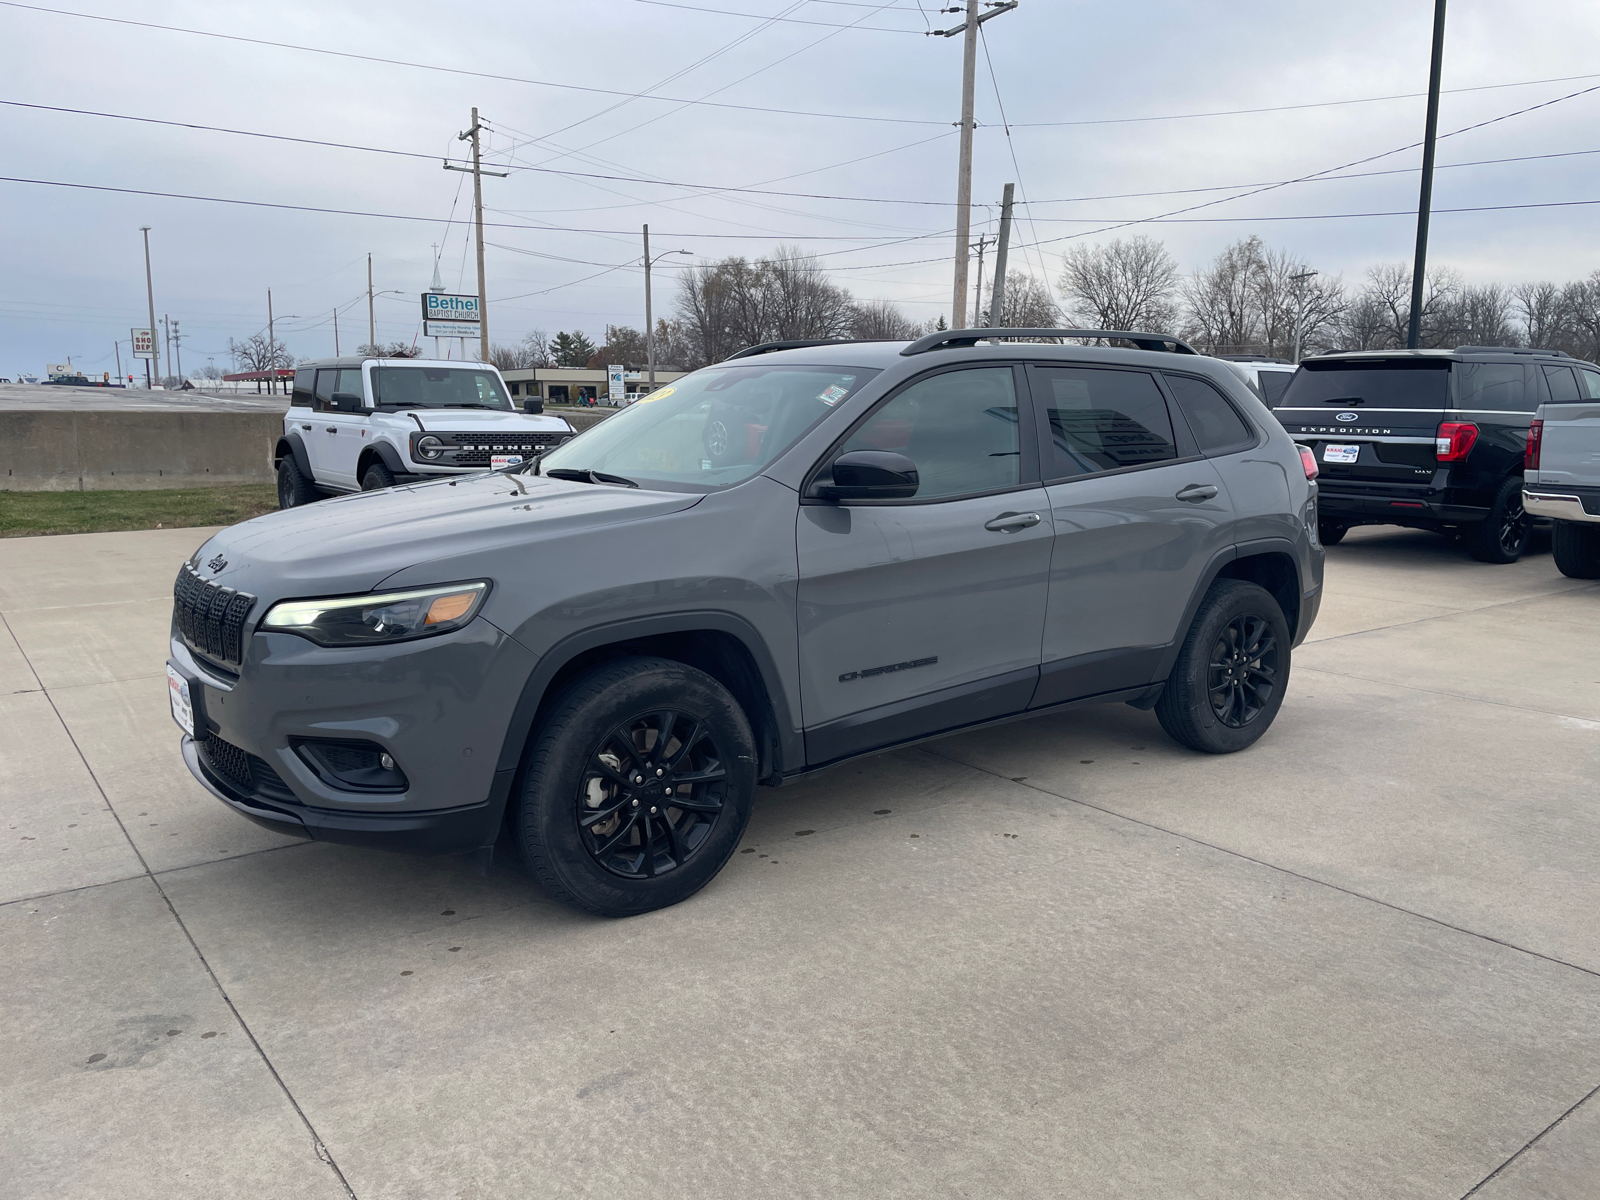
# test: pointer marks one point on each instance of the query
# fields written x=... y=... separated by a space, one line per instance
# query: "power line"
x=723 y=12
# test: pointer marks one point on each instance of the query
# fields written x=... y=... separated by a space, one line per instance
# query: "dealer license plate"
x=182 y=706
x=1340 y=454
x=499 y=462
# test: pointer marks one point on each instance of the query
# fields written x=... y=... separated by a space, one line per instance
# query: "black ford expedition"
x=1430 y=439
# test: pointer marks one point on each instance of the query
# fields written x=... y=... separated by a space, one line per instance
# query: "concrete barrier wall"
x=137 y=451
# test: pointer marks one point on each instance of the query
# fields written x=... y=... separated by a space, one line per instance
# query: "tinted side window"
x=1101 y=420
x=1211 y=418
x=304 y=386
x=1273 y=384
x=959 y=427
x=327 y=385
x=1493 y=387
x=1562 y=384
x=1590 y=379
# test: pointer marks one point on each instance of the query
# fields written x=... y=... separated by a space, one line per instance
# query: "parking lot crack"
x=1151 y=825
x=1530 y=1144
x=319 y=1147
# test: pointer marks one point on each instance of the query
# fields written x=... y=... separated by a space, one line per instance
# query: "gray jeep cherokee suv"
x=803 y=554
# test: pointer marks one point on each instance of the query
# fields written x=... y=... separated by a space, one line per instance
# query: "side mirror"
x=533 y=407
x=871 y=475
x=347 y=402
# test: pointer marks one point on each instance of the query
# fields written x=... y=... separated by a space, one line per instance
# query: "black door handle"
x=1198 y=491
x=335 y=429
x=1012 y=522
x=307 y=428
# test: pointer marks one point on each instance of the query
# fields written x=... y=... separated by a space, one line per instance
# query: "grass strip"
x=32 y=514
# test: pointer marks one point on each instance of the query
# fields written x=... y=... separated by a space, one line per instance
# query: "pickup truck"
x=1561 y=471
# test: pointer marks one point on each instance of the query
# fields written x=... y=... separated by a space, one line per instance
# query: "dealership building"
x=574 y=385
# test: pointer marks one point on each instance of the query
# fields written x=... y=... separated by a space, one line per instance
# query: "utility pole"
x=1299 y=308
x=272 y=348
x=478 y=173
x=649 y=316
x=336 y=333
x=1425 y=200
x=969 y=67
x=978 y=319
x=372 y=324
x=997 y=294
x=150 y=299
x=177 y=346
x=116 y=348
x=166 y=337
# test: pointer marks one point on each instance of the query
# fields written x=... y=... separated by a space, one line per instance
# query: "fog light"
x=351 y=766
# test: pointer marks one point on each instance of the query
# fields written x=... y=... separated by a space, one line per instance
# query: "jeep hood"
x=351 y=544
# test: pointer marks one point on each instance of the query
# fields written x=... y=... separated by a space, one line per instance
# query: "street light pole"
x=649 y=315
x=1425 y=199
x=1299 y=308
x=272 y=348
x=150 y=299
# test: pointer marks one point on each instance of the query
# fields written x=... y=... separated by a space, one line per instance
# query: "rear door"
x=1138 y=514
x=1372 y=423
x=925 y=614
x=1570 y=453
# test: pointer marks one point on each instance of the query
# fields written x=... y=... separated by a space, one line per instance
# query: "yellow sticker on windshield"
x=658 y=394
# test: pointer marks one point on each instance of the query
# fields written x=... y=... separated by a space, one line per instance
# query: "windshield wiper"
x=587 y=476
x=490 y=407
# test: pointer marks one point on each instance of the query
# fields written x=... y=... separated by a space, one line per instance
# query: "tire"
x=376 y=477
x=1576 y=547
x=599 y=737
x=1330 y=534
x=294 y=489
x=1231 y=673
x=1503 y=535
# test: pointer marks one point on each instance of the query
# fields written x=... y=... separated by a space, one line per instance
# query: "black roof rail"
x=789 y=344
x=1260 y=358
x=952 y=338
x=1511 y=350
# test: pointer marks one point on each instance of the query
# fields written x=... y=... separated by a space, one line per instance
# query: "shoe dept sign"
x=450 y=316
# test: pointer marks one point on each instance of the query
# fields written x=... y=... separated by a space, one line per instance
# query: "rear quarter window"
x=1494 y=387
x=1212 y=420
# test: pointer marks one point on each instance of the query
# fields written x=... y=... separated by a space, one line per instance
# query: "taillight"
x=1530 y=456
x=1454 y=440
x=1308 y=460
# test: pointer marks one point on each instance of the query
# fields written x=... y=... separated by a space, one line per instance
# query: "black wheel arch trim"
x=1221 y=559
x=387 y=455
x=789 y=750
x=290 y=444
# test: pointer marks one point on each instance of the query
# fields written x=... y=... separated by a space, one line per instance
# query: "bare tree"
x=881 y=321
x=1580 y=335
x=1223 y=301
x=1542 y=308
x=532 y=351
x=624 y=345
x=259 y=353
x=1380 y=314
x=1027 y=304
x=725 y=306
x=388 y=350
x=1121 y=285
x=1481 y=316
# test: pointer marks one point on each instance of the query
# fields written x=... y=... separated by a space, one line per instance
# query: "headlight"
x=430 y=446
x=390 y=617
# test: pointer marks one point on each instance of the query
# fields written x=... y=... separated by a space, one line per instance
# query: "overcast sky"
x=871 y=115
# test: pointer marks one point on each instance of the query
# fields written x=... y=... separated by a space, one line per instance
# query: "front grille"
x=243 y=771
x=476 y=450
x=211 y=618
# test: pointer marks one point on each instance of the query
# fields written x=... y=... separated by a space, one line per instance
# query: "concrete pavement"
x=1056 y=958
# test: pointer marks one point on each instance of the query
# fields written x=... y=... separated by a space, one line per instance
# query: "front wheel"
x=1503 y=535
x=376 y=478
x=1576 y=548
x=637 y=787
x=294 y=489
x=1228 y=682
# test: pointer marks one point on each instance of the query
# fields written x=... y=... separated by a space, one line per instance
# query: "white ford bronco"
x=360 y=424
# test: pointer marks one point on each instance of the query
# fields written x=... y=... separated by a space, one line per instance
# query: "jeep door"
x=339 y=426
x=1138 y=514
x=925 y=614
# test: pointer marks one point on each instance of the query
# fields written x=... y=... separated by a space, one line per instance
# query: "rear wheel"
x=1576 y=547
x=376 y=477
x=1228 y=682
x=1503 y=535
x=636 y=787
x=294 y=489
x=1331 y=534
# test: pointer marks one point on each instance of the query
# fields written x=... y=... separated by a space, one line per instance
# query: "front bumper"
x=1558 y=506
x=450 y=831
x=439 y=706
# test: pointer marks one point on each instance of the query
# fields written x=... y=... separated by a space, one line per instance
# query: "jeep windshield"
x=709 y=430
x=438 y=387
x=1369 y=383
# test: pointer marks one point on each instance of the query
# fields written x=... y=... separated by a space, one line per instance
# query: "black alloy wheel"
x=1502 y=536
x=1232 y=671
x=718 y=439
x=636 y=786
x=1243 y=675
x=652 y=794
x=376 y=478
